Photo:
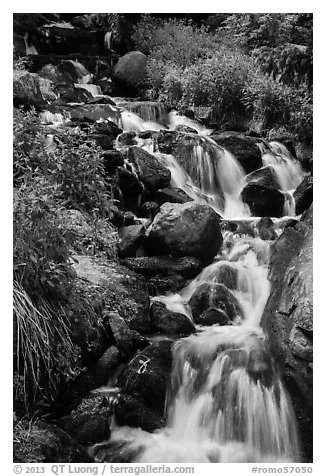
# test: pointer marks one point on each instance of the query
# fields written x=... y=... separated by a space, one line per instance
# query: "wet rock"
x=148 y=169
x=215 y=296
x=266 y=229
x=131 y=238
x=263 y=201
x=303 y=195
x=244 y=149
x=148 y=374
x=188 y=229
x=266 y=177
x=41 y=442
x=240 y=227
x=187 y=267
x=132 y=411
x=172 y=195
x=288 y=318
x=118 y=288
x=89 y=422
x=29 y=89
x=93 y=377
x=130 y=70
x=213 y=316
x=228 y=276
x=169 y=322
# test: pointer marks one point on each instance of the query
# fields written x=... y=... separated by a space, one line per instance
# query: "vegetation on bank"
x=252 y=71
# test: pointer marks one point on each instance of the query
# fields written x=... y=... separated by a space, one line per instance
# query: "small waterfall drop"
x=288 y=170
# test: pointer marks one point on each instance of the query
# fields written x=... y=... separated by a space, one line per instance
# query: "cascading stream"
x=226 y=402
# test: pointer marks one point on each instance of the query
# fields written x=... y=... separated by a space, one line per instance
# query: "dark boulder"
x=266 y=177
x=158 y=285
x=127 y=139
x=244 y=148
x=263 y=201
x=288 y=318
x=303 y=195
x=130 y=70
x=147 y=376
x=131 y=238
x=148 y=169
x=213 y=316
x=228 y=276
x=215 y=296
x=172 y=195
x=164 y=266
x=168 y=322
x=89 y=422
x=188 y=229
x=132 y=411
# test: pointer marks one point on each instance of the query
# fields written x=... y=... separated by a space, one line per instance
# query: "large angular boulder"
x=244 y=148
x=189 y=229
x=148 y=169
x=215 y=296
x=288 y=318
x=118 y=288
x=130 y=70
x=265 y=176
x=263 y=201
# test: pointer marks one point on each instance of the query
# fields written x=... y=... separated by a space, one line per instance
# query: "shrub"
x=41 y=253
x=174 y=41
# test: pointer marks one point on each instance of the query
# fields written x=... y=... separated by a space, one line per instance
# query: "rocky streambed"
x=211 y=237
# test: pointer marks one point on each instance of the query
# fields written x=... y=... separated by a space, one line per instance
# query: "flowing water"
x=226 y=402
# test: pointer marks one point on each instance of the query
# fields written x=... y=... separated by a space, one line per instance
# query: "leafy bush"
x=41 y=253
x=173 y=41
x=219 y=82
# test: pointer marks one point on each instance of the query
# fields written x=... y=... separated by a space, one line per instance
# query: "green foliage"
x=173 y=41
x=220 y=82
x=41 y=253
x=255 y=30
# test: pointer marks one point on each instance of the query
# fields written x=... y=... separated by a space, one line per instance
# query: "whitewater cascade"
x=226 y=402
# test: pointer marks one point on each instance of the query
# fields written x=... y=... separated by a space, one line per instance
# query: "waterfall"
x=108 y=41
x=226 y=402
